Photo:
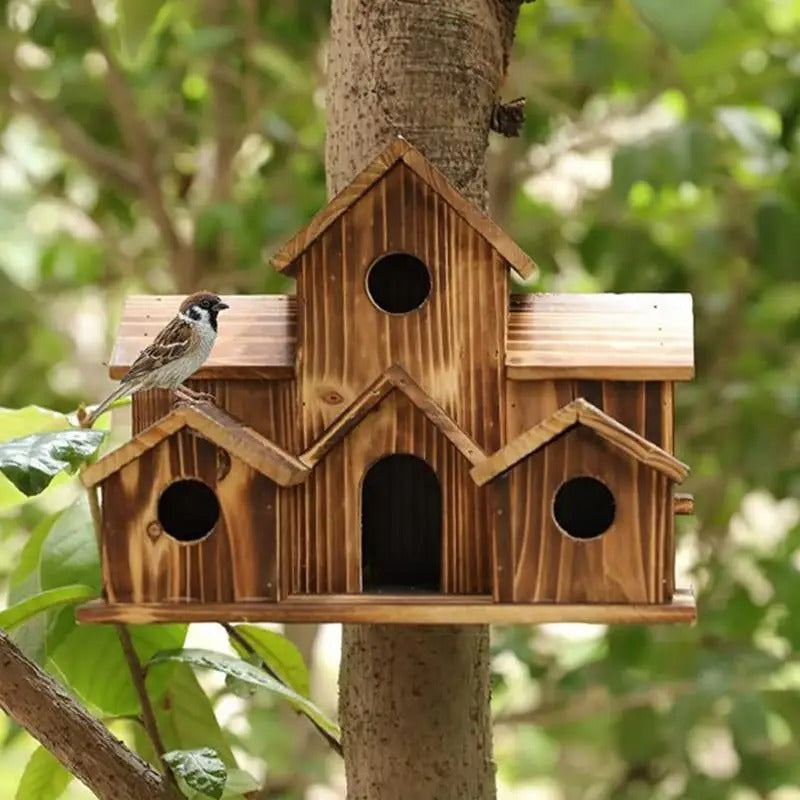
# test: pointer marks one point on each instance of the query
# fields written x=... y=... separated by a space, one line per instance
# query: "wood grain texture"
x=381 y=609
x=236 y=561
x=326 y=555
x=394 y=378
x=452 y=346
x=218 y=427
x=625 y=564
x=579 y=412
x=256 y=337
x=683 y=503
x=269 y=407
x=601 y=336
x=287 y=257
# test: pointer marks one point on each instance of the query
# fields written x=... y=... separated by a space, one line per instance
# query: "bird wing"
x=173 y=342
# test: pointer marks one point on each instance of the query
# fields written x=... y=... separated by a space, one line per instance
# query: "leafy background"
x=660 y=153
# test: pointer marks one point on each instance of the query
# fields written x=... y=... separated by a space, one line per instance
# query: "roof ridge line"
x=392 y=378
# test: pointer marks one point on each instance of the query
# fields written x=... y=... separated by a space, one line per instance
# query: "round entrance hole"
x=188 y=510
x=584 y=507
x=398 y=283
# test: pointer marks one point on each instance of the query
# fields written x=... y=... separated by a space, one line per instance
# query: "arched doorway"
x=401 y=526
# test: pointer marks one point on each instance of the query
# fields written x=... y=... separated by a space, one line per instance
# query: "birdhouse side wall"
x=326 y=555
x=267 y=406
x=646 y=407
x=236 y=561
x=626 y=564
x=453 y=345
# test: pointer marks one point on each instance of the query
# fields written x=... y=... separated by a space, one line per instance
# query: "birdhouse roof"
x=394 y=378
x=401 y=151
x=218 y=427
x=579 y=412
x=600 y=336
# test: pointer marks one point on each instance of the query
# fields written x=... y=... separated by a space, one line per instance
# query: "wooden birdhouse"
x=403 y=440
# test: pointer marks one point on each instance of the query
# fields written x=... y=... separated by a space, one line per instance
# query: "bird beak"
x=220 y=306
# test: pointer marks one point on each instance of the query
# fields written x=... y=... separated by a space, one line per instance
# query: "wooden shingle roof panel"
x=257 y=335
x=601 y=336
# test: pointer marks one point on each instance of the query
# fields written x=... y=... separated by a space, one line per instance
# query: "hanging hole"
x=584 y=507
x=398 y=283
x=188 y=510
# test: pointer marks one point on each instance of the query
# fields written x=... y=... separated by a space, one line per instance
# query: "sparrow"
x=176 y=353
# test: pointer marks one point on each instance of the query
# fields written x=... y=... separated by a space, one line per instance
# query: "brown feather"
x=171 y=343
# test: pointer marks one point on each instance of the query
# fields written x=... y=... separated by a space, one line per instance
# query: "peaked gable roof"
x=218 y=427
x=579 y=412
x=394 y=378
x=401 y=151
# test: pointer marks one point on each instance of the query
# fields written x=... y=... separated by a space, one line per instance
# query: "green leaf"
x=686 y=25
x=44 y=777
x=31 y=554
x=25 y=582
x=748 y=720
x=31 y=462
x=139 y=21
x=104 y=682
x=69 y=556
x=69 y=553
x=278 y=653
x=239 y=782
x=18 y=422
x=201 y=770
x=236 y=668
x=185 y=717
x=44 y=601
x=778 y=236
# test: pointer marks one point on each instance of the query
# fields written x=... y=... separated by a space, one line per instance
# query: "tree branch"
x=138 y=140
x=222 y=106
x=107 y=165
x=138 y=677
x=78 y=740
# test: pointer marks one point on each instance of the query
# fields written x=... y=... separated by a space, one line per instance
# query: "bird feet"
x=185 y=395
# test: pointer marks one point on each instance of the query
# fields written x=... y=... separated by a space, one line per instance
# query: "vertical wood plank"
x=346 y=341
x=623 y=565
x=237 y=561
x=333 y=497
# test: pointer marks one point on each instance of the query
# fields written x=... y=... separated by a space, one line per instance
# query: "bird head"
x=203 y=307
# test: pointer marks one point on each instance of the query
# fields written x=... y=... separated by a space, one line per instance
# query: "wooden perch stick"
x=78 y=740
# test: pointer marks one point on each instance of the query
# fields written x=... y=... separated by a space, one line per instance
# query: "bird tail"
x=123 y=390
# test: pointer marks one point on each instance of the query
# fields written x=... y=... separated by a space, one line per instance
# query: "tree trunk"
x=414 y=701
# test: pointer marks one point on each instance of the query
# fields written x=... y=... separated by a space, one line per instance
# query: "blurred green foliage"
x=660 y=153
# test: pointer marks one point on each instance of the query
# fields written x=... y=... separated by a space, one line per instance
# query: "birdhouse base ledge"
x=404 y=609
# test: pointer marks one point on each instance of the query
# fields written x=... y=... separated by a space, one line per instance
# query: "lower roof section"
x=414 y=609
x=593 y=336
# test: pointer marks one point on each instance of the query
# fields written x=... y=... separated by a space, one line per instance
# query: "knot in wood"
x=154 y=529
x=331 y=397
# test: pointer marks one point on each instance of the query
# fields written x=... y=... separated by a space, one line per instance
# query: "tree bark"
x=414 y=701
x=78 y=740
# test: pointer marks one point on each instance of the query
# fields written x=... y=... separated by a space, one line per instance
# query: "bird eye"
x=205 y=304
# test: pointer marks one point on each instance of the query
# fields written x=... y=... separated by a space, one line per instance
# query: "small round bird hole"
x=584 y=507
x=398 y=283
x=188 y=510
